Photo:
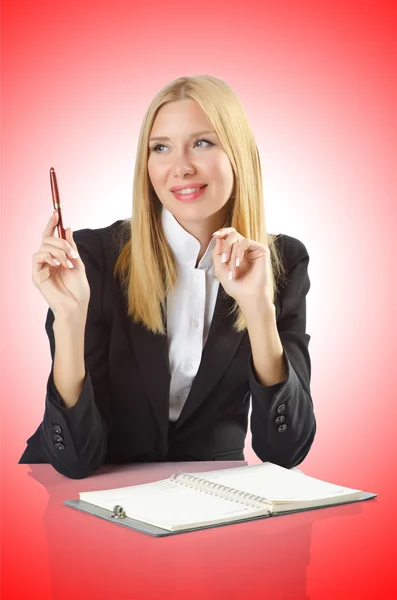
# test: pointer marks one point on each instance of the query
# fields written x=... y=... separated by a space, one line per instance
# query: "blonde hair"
x=146 y=264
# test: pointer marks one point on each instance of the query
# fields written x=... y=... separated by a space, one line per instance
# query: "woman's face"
x=187 y=158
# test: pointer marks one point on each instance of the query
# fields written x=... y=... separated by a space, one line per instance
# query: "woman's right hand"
x=65 y=289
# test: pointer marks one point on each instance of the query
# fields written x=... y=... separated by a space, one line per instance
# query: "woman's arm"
x=69 y=368
x=267 y=350
x=77 y=414
x=283 y=424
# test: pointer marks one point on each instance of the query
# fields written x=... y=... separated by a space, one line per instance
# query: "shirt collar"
x=185 y=246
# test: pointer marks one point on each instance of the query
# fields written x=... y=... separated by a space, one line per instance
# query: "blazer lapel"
x=151 y=352
x=219 y=349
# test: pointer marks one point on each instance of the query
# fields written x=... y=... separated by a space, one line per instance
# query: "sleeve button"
x=282 y=428
x=57 y=429
x=280 y=419
x=281 y=408
x=58 y=438
x=59 y=446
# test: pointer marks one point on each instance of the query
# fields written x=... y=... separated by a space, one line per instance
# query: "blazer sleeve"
x=283 y=424
x=75 y=439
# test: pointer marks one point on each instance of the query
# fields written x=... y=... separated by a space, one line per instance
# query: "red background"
x=318 y=81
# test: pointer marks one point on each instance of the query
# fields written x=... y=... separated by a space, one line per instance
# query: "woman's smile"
x=188 y=194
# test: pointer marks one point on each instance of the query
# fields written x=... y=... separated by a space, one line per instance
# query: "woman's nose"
x=182 y=165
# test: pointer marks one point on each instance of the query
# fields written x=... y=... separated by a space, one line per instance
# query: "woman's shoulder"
x=103 y=243
x=292 y=249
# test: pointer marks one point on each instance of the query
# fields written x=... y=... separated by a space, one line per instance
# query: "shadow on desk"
x=91 y=558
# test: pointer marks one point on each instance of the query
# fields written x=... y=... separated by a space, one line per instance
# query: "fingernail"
x=74 y=254
x=56 y=261
x=230 y=275
x=216 y=232
x=237 y=262
x=224 y=258
x=70 y=265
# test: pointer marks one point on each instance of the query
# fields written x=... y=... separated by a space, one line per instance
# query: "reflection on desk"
x=90 y=558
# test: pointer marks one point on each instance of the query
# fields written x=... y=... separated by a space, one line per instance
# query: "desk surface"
x=52 y=551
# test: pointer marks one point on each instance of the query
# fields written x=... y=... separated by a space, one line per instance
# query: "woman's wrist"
x=70 y=321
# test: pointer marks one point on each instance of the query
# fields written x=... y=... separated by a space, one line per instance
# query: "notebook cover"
x=159 y=532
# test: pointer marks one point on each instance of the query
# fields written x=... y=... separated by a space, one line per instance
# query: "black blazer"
x=121 y=415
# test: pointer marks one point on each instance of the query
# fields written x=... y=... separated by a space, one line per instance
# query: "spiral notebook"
x=187 y=501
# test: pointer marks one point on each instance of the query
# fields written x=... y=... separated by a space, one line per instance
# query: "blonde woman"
x=162 y=327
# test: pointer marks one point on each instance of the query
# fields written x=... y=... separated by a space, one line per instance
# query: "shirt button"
x=189 y=368
x=194 y=323
x=196 y=279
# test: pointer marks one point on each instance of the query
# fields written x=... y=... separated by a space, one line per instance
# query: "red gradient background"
x=318 y=81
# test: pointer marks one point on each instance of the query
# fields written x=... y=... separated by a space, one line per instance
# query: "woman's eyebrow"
x=163 y=138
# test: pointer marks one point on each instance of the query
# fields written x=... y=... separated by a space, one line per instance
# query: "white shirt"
x=190 y=307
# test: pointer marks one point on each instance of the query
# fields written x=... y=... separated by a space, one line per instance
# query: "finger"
x=44 y=258
x=224 y=232
x=58 y=253
x=217 y=251
x=218 y=247
x=64 y=245
x=70 y=239
x=238 y=255
x=51 y=224
x=234 y=259
x=78 y=261
x=227 y=247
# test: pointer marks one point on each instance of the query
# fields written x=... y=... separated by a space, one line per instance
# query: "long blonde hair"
x=146 y=264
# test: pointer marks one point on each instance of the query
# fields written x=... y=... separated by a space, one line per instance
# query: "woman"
x=169 y=321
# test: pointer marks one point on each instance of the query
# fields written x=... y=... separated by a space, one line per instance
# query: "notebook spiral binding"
x=219 y=490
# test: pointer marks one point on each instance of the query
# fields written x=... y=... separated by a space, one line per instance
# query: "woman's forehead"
x=180 y=116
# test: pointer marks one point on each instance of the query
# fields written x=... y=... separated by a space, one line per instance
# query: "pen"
x=56 y=203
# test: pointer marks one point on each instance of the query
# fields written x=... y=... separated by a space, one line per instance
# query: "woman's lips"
x=189 y=197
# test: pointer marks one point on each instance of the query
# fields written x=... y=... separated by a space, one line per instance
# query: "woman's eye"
x=155 y=148
x=206 y=141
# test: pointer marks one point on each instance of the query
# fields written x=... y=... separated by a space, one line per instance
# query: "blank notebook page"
x=166 y=503
x=276 y=483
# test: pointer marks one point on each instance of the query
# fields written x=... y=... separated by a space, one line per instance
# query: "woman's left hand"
x=251 y=278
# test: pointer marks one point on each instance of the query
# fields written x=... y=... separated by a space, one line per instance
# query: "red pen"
x=56 y=203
